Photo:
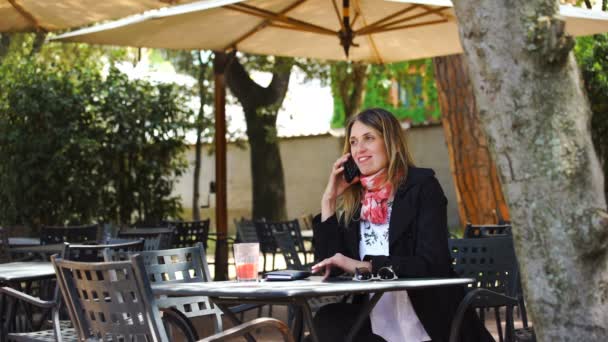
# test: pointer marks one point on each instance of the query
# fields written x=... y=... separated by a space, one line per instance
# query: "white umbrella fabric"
x=383 y=31
x=47 y=15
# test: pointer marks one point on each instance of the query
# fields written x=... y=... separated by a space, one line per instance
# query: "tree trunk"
x=536 y=117
x=202 y=76
x=5 y=43
x=478 y=189
x=349 y=80
x=261 y=107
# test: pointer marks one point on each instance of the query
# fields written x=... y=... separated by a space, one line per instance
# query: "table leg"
x=226 y=310
x=365 y=311
x=307 y=313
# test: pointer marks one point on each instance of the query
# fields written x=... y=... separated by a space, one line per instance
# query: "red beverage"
x=247 y=271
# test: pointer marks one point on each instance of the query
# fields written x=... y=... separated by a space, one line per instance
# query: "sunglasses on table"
x=384 y=273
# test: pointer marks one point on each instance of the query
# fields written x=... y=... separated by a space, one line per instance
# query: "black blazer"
x=418 y=248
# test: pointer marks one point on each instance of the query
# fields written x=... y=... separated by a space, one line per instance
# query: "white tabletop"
x=312 y=287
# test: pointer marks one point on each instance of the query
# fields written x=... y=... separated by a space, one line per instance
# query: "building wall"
x=306 y=165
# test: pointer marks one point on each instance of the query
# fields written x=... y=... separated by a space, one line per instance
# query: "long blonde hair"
x=389 y=128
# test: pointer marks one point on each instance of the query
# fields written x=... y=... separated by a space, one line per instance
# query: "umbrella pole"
x=221 y=209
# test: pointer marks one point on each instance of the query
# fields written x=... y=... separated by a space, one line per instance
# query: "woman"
x=394 y=217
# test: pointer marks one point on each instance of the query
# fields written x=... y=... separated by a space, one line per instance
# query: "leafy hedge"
x=76 y=147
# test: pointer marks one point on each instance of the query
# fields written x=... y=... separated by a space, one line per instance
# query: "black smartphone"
x=350 y=170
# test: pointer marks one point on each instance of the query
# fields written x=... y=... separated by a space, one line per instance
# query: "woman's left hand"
x=340 y=261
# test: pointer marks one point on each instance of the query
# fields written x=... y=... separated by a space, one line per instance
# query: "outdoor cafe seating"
x=133 y=316
x=20 y=306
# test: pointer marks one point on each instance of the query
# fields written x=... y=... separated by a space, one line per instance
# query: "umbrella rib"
x=28 y=16
x=389 y=17
x=262 y=25
x=390 y=26
x=333 y=2
x=298 y=28
x=432 y=22
x=369 y=37
x=259 y=12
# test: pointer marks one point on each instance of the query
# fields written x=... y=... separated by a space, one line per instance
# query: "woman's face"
x=367 y=149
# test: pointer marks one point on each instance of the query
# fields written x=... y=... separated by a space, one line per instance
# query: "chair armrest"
x=176 y=318
x=247 y=327
x=45 y=304
x=477 y=298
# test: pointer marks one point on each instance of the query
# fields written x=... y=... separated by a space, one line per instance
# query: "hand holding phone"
x=350 y=170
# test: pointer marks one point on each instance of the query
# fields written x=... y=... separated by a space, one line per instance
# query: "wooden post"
x=221 y=208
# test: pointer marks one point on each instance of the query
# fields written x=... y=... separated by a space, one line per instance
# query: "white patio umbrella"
x=374 y=31
x=47 y=15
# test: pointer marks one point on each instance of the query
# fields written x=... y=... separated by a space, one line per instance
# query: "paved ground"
x=204 y=327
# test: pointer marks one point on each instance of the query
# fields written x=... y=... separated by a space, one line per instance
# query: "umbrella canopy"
x=368 y=30
x=45 y=15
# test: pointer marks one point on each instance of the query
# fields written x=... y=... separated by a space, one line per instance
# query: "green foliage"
x=592 y=57
x=75 y=148
x=418 y=99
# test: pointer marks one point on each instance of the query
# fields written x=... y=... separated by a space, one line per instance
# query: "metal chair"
x=5 y=255
x=475 y=231
x=293 y=228
x=492 y=263
x=292 y=260
x=62 y=330
x=188 y=233
x=486 y=231
x=70 y=234
x=119 y=304
x=154 y=238
x=268 y=244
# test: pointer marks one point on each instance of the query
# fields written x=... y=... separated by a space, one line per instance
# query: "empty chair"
x=119 y=304
x=293 y=228
x=5 y=255
x=487 y=231
x=268 y=244
x=245 y=231
x=492 y=262
x=154 y=238
x=474 y=231
x=188 y=233
x=62 y=330
x=70 y=234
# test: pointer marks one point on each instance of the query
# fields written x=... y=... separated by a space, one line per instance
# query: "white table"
x=298 y=292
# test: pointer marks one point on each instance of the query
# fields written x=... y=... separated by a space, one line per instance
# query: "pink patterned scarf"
x=376 y=192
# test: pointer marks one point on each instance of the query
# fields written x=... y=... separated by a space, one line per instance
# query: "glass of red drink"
x=246 y=259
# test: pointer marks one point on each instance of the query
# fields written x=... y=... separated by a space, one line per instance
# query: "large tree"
x=478 y=191
x=261 y=106
x=536 y=117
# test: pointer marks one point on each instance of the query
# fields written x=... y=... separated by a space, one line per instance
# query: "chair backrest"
x=268 y=243
x=154 y=238
x=480 y=231
x=70 y=234
x=245 y=230
x=307 y=221
x=182 y=265
x=5 y=255
x=95 y=253
x=110 y=300
x=293 y=228
x=187 y=234
x=491 y=261
x=288 y=250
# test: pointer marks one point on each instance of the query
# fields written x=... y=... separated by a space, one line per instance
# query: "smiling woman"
x=394 y=217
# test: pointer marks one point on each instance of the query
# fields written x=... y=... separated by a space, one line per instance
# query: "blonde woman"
x=394 y=222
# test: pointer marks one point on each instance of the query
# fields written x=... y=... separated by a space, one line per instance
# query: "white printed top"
x=392 y=306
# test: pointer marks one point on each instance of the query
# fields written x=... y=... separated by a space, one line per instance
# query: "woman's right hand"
x=335 y=187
